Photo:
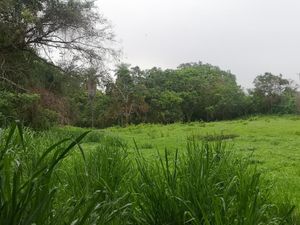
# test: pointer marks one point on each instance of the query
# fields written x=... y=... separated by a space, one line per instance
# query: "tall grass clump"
x=104 y=175
x=205 y=185
x=32 y=188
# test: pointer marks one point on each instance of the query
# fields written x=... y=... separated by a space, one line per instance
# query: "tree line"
x=192 y=92
x=42 y=89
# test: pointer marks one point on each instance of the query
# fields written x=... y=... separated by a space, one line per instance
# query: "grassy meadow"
x=219 y=173
x=273 y=143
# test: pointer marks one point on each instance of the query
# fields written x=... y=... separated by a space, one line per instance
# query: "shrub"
x=43 y=119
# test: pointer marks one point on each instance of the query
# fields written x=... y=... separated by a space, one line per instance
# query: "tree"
x=34 y=33
x=127 y=94
x=39 y=29
x=166 y=107
x=91 y=83
x=269 y=92
x=206 y=92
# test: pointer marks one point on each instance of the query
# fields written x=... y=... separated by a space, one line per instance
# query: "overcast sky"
x=247 y=37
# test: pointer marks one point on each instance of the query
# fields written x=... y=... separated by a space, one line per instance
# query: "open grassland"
x=197 y=173
x=272 y=142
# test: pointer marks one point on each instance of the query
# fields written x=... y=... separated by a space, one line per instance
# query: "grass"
x=273 y=142
x=175 y=174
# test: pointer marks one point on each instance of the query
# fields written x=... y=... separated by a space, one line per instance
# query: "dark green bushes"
x=26 y=108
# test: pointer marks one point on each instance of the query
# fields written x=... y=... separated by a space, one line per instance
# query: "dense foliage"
x=192 y=92
x=52 y=71
x=43 y=46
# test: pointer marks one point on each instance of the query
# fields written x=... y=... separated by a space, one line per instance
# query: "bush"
x=25 y=107
x=43 y=119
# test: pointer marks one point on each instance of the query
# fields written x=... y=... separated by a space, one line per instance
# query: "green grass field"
x=273 y=142
x=153 y=174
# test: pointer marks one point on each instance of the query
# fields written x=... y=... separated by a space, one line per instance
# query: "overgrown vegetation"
x=47 y=183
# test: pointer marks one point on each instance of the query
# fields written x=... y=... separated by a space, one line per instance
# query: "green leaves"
x=274 y=94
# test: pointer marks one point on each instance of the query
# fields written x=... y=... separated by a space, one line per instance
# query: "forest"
x=42 y=89
x=83 y=143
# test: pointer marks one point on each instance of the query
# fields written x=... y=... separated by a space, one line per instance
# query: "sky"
x=247 y=37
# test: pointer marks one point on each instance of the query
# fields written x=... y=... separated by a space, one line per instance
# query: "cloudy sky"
x=247 y=37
